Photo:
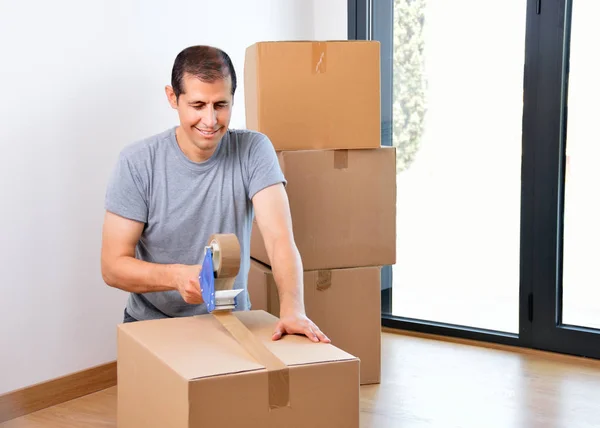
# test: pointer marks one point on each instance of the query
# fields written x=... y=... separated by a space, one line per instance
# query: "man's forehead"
x=198 y=81
x=197 y=91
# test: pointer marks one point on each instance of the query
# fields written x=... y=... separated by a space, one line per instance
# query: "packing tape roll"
x=226 y=254
x=278 y=373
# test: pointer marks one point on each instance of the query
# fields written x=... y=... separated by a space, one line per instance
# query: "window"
x=496 y=208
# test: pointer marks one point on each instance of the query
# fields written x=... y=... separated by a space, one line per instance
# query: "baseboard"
x=39 y=396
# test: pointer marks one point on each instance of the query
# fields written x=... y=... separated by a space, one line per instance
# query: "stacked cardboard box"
x=319 y=103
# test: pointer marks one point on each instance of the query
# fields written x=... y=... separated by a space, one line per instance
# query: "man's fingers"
x=278 y=332
x=317 y=335
x=193 y=294
x=322 y=336
x=311 y=334
x=305 y=327
x=193 y=299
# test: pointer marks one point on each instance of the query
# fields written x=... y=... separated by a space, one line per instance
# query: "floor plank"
x=428 y=383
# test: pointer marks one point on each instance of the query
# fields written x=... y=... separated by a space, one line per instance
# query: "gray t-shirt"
x=183 y=203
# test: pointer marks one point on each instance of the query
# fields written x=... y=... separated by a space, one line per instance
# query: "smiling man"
x=169 y=192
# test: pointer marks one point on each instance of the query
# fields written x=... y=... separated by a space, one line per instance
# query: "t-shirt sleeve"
x=263 y=166
x=125 y=194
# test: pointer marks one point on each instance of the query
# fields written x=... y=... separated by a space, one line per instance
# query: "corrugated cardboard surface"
x=190 y=372
x=344 y=303
x=343 y=205
x=314 y=95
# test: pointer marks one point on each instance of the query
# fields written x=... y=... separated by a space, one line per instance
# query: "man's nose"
x=210 y=119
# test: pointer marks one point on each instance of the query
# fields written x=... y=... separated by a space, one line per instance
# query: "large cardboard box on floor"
x=192 y=372
x=344 y=303
x=314 y=94
x=343 y=207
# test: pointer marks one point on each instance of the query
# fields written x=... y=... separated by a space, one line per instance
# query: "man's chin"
x=207 y=143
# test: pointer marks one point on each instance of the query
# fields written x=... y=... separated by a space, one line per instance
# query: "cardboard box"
x=343 y=205
x=192 y=372
x=344 y=303
x=314 y=95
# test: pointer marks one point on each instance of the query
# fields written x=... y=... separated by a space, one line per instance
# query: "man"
x=171 y=191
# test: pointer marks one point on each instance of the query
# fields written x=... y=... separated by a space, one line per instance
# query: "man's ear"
x=171 y=97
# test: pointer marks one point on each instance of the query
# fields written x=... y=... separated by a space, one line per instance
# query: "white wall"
x=79 y=81
x=330 y=19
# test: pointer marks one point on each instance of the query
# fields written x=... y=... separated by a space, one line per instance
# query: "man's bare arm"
x=274 y=220
x=120 y=268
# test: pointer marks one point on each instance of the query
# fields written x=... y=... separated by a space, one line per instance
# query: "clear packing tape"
x=220 y=267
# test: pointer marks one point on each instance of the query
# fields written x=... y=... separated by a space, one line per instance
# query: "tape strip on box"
x=278 y=372
x=319 y=57
x=323 y=280
x=340 y=159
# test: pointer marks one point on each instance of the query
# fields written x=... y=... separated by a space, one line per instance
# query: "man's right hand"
x=120 y=268
x=188 y=285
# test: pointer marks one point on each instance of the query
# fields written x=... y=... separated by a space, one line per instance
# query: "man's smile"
x=207 y=132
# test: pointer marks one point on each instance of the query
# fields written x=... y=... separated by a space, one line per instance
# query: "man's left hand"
x=298 y=323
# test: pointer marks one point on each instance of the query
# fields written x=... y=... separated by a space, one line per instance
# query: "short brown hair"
x=204 y=62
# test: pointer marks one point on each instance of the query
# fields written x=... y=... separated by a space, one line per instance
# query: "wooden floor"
x=429 y=383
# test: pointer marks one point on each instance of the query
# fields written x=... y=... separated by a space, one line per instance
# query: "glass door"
x=581 y=276
x=568 y=283
x=452 y=105
x=457 y=126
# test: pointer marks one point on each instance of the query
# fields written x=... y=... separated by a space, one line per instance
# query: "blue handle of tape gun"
x=207 y=281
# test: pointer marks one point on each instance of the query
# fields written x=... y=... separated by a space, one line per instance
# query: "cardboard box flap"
x=200 y=347
x=293 y=350
x=194 y=347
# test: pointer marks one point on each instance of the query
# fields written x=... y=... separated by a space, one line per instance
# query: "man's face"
x=204 y=113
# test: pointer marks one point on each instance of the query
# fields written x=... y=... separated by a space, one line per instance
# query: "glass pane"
x=581 y=276
x=458 y=98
